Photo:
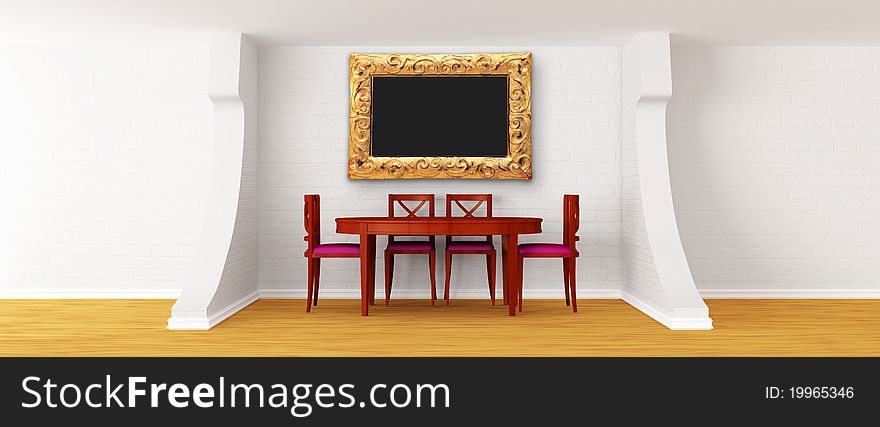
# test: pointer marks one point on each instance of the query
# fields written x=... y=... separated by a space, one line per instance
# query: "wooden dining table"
x=509 y=228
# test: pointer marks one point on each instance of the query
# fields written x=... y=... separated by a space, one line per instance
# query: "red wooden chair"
x=482 y=247
x=567 y=251
x=425 y=247
x=316 y=250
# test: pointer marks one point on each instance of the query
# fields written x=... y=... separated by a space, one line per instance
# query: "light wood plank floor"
x=414 y=328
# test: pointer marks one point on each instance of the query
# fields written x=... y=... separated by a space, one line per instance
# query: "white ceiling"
x=460 y=22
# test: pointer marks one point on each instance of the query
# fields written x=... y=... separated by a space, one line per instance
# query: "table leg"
x=512 y=274
x=505 y=278
x=365 y=274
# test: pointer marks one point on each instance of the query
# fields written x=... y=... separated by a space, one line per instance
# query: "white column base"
x=678 y=323
x=205 y=322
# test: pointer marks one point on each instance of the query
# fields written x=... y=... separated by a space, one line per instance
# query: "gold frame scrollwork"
x=516 y=165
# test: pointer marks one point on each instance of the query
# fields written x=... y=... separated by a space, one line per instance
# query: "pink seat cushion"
x=469 y=246
x=410 y=246
x=543 y=249
x=337 y=249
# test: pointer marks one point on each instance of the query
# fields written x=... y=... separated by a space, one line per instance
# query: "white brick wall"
x=775 y=166
x=106 y=150
x=304 y=149
x=105 y=154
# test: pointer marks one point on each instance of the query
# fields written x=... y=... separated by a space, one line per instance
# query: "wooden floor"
x=414 y=328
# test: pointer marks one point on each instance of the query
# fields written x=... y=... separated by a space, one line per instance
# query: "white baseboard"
x=188 y=324
x=425 y=294
x=674 y=323
x=208 y=322
x=90 y=294
x=791 y=293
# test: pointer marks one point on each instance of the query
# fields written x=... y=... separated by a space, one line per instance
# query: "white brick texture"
x=774 y=161
x=775 y=166
x=304 y=149
x=104 y=165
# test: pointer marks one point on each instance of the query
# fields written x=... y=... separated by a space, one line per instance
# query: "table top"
x=436 y=219
x=437 y=226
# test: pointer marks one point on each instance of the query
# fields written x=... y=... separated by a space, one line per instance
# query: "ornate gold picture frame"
x=516 y=165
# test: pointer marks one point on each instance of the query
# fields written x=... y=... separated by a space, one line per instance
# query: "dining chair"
x=399 y=247
x=567 y=251
x=317 y=250
x=480 y=247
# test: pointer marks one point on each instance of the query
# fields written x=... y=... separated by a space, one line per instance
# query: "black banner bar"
x=437 y=391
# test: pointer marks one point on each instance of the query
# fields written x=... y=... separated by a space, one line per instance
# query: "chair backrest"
x=454 y=205
x=571 y=216
x=454 y=201
x=312 y=221
x=411 y=212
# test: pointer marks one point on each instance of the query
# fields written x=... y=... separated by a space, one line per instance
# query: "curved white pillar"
x=657 y=279
x=224 y=278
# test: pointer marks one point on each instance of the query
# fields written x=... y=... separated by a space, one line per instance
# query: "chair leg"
x=490 y=266
x=317 y=278
x=565 y=280
x=519 y=277
x=371 y=271
x=572 y=282
x=433 y=265
x=310 y=285
x=389 y=275
x=448 y=274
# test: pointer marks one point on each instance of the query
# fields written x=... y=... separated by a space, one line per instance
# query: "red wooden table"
x=508 y=227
